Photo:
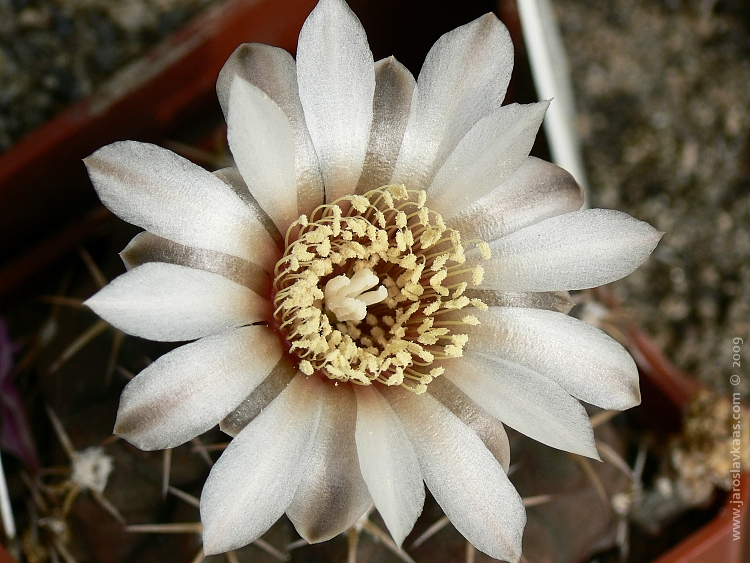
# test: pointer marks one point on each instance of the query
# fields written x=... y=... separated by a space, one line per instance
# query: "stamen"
x=324 y=290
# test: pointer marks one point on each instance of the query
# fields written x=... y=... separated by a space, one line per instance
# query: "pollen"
x=367 y=289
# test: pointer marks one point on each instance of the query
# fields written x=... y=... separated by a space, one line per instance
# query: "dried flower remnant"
x=378 y=285
x=89 y=471
x=54 y=492
x=705 y=456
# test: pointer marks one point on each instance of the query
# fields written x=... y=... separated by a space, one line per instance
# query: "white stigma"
x=344 y=296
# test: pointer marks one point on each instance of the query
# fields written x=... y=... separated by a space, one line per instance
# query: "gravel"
x=55 y=52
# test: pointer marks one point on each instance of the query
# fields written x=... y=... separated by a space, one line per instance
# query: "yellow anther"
x=460 y=339
x=336 y=220
x=398 y=191
x=484 y=250
x=459 y=303
x=300 y=252
x=435 y=372
x=479 y=304
x=416 y=273
x=428 y=338
x=439 y=262
x=452 y=351
x=438 y=278
x=324 y=248
x=360 y=203
x=408 y=262
x=477 y=275
x=400 y=242
x=380 y=219
x=412 y=291
x=433 y=307
x=460 y=289
x=429 y=237
x=470 y=320
x=409 y=237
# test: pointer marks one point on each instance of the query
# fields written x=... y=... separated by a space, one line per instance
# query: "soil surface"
x=56 y=52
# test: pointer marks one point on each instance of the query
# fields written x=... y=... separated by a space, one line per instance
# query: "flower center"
x=388 y=240
x=344 y=298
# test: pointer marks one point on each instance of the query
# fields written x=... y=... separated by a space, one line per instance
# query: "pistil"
x=346 y=299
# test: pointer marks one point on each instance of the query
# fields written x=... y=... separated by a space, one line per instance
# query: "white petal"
x=167 y=302
x=394 y=86
x=262 y=144
x=489 y=429
x=270 y=388
x=526 y=401
x=576 y=250
x=256 y=477
x=147 y=247
x=489 y=153
x=463 y=476
x=170 y=196
x=189 y=390
x=336 y=79
x=274 y=71
x=389 y=464
x=553 y=301
x=332 y=494
x=233 y=179
x=587 y=363
x=536 y=191
x=463 y=78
